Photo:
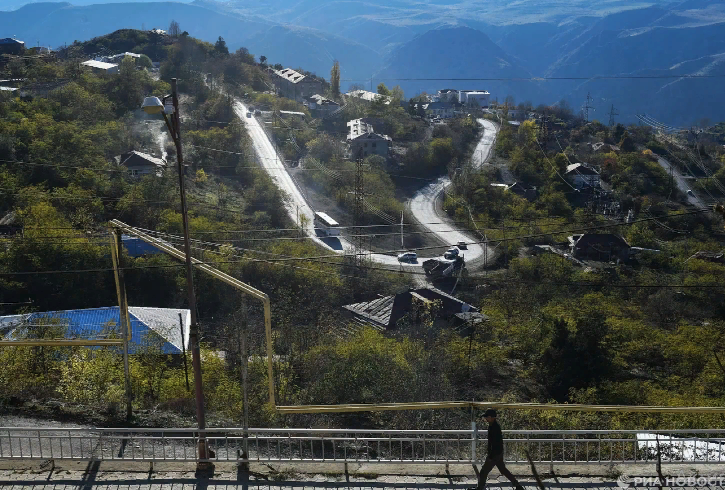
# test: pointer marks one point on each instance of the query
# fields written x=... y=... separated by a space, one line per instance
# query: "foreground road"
x=89 y=476
x=422 y=206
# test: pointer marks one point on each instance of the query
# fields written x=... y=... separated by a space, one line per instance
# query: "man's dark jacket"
x=495 y=440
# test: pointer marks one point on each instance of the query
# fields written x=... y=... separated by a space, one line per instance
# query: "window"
x=134 y=172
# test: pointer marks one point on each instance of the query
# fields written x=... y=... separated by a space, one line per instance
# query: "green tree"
x=144 y=62
x=627 y=143
x=220 y=47
x=382 y=89
x=335 y=79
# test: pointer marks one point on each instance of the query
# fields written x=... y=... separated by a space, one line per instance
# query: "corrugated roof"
x=377 y=311
x=99 y=64
x=290 y=75
x=99 y=323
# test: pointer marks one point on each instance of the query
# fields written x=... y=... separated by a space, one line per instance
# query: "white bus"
x=328 y=225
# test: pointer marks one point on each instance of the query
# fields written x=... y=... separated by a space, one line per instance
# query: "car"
x=257 y=112
x=249 y=114
x=452 y=251
x=690 y=193
x=462 y=245
x=408 y=257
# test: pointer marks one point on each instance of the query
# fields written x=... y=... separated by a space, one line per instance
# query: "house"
x=117 y=58
x=101 y=66
x=599 y=246
x=320 y=104
x=383 y=313
x=362 y=138
x=444 y=110
x=523 y=190
x=369 y=97
x=11 y=45
x=474 y=98
x=448 y=95
x=150 y=327
x=295 y=85
x=582 y=175
x=141 y=163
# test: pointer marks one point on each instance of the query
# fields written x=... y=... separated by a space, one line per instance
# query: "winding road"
x=422 y=205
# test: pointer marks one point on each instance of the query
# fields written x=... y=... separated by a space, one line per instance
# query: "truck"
x=437 y=268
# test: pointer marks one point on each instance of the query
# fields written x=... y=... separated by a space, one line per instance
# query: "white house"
x=362 y=138
x=444 y=110
x=368 y=97
x=476 y=98
x=319 y=103
x=582 y=175
x=101 y=66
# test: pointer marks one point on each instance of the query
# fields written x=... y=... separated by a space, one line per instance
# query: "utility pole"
x=116 y=250
x=587 y=107
x=545 y=130
x=194 y=329
x=359 y=208
x=402 y=246
x=612 y=113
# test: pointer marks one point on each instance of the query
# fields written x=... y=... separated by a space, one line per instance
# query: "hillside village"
x=591 y=272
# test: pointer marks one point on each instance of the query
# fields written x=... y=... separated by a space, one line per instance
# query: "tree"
x=510 y=101
x=174 y=29
x=627 y=143
x=144 y=62
x=335 y=79
x=262 y=60
x=382 y=89
x=278 y=66
x=221 y=46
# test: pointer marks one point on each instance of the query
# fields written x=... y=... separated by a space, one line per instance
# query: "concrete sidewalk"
x=163 y=476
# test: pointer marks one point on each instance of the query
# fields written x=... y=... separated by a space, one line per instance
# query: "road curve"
x=422 y=205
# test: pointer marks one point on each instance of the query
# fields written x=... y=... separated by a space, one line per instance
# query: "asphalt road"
x=681 y=183
x=422 y=204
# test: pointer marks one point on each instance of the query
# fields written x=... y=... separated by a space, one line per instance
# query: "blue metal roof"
x=137 y=247
x=99 y=323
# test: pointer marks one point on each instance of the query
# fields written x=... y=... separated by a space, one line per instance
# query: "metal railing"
x=364 y=446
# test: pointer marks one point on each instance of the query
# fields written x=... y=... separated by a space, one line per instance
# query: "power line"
x=538 y=79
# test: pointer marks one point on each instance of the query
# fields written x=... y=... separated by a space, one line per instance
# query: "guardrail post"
x=474 y=441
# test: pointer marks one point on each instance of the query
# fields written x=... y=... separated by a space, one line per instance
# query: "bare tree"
x=174 y=29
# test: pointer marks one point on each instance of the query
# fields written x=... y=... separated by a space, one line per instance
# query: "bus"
x=328 y=225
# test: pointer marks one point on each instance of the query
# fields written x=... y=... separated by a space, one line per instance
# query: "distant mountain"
x=314 y=50
x=458 y=53
x=54 y=24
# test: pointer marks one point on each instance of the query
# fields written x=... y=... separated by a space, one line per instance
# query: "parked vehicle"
x=249 y=114
x=690 y=193
x=408 y=257
x=257 y=112
x=462 y=245
x=451 y=254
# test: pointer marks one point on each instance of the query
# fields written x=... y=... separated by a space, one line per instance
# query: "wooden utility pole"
x=116 y=248
x=194 y=329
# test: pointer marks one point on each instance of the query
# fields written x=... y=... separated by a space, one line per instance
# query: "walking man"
x=495 y=453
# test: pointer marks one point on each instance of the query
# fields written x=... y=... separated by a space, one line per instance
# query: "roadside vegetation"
x=645 y=333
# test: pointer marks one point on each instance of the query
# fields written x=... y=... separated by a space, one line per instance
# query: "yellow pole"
x=116 y=248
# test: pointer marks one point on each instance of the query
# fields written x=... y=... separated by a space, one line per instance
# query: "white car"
x=408 y=257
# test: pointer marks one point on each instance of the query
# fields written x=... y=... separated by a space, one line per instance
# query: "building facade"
x=294 y=85
x=364 y=141
x=369 y=97
x=474 y=98
x=10 y=45
x=582 y=175
x=320 y=104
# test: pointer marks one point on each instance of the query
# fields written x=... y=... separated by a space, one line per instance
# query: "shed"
x=100 y=323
